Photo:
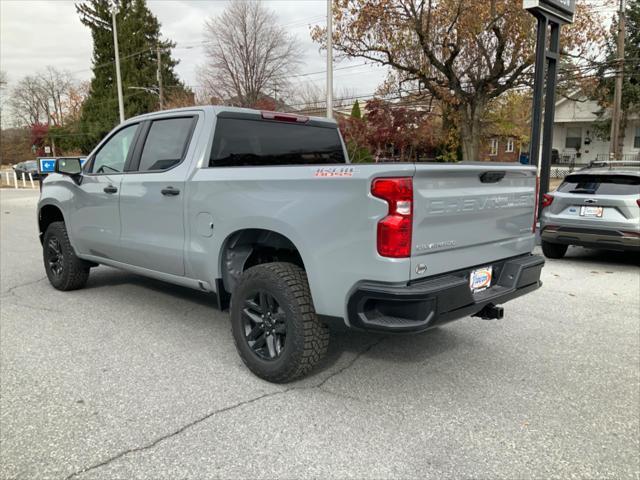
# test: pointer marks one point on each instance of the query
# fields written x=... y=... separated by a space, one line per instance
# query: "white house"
x=574 y=137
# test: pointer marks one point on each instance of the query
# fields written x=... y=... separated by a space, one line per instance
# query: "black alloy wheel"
x=274 y=324
x=65 y=270
x=55 y=257
x=264 y=325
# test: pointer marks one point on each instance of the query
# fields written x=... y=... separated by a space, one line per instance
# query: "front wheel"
x=64 y=269
x=275 y=328
x=554 y=250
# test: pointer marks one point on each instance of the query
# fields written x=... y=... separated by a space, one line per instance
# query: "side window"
x=494 y=147
x=573 y=138
x=113 y=154
x=166 y=143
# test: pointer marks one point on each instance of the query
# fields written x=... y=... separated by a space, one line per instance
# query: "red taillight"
x=546 y=200
x=284 y=117
x=638 y=202
x=394 y=230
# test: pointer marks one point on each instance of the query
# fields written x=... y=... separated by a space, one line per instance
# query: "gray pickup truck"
x=265 y=211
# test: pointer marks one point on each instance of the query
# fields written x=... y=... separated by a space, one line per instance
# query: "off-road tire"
x=554 y=250
x=75 y=271
x=307 y=338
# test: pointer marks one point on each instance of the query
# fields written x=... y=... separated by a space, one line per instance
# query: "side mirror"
x=68 y=166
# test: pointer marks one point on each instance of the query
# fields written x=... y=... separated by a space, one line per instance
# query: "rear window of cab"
x=243 y=143
x=601 y=184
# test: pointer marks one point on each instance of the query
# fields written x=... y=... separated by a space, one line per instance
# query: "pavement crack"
x=350 y=364
x=209 y=415
x=169 y=435
x=11 y=291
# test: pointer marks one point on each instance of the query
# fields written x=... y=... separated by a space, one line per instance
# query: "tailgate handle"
x=492 y=177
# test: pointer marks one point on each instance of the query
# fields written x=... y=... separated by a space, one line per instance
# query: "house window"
x=510 y=145
x=636 y=139
x=574 y=138
x=494 y=147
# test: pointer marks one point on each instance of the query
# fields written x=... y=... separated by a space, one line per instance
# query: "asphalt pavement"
x=133 y=378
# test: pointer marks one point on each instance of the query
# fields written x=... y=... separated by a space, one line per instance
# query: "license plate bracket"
x=480 y=279
x=591 y=211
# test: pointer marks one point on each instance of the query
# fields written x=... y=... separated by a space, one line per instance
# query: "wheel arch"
x=246 y=248
x=47 y=214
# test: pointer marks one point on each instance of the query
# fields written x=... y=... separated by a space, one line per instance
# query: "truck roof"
x=218 y=109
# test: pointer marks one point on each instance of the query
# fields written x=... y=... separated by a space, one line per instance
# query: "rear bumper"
x=592 y=238
x=424 y=304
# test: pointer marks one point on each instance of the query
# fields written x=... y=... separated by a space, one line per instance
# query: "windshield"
x=242 y=142
x=601 y=184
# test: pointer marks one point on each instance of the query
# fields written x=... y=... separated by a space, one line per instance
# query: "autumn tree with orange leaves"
x=463 y=53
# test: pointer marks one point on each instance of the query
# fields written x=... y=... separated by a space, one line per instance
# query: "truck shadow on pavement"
x=415 y=348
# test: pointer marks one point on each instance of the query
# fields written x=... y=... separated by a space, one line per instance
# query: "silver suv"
x=597 y=207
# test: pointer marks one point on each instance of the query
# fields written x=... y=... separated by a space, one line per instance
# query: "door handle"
x=110 y=189
x=170 y=192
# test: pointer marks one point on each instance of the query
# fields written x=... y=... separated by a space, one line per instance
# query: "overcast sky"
x=34 y=34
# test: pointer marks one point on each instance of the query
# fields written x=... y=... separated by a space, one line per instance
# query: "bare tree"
x=26 y=102
x=3 y=86
x=309 y=97
x=42 y=98
x=55 y=86
x=248 y=54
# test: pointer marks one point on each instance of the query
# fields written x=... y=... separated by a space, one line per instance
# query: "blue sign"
x=48 y=165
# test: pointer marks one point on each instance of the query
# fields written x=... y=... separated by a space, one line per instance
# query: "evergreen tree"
x=138 y=37
x=355 y=110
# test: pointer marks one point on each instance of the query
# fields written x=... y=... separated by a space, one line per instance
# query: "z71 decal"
x=334 y=172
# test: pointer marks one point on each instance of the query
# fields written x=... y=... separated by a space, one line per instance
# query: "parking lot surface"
x=133 y=378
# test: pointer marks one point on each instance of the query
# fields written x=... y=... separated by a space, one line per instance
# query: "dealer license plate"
x=480 y=279
x=587 y=211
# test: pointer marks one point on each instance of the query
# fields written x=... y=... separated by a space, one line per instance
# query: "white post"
x=31 y=180
x=15 y=179
x=24 y=181
x=329 y=59
x=114 y=10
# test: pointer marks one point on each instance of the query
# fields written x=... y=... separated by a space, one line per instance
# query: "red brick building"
x=500 y=149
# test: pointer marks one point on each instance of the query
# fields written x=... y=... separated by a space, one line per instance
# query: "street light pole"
x=159 y=77
x=616 y=112
x=329 y=60
x=114 y=10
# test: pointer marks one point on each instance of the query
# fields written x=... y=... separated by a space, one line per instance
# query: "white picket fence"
x=10 y=177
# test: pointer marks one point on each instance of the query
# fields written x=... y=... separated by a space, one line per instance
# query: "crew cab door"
x=152 y=196
x=95 y=223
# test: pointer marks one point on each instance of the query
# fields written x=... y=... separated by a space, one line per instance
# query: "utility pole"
x=114 y=10
x=159 y=77
x=616 y=112
x=329 y=59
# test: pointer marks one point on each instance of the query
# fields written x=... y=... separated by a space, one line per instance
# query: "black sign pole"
x=551 y=14
x=553 y=56
x=538 y=90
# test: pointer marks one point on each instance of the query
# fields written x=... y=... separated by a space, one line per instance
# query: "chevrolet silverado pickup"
x=264 y=211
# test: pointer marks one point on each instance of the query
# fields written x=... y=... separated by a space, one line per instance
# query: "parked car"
x=596 y=207
x=264 y=210
x=23 y=169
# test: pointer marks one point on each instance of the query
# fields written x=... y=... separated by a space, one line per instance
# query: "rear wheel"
x=64 y=269
x=554 y=250
x=275 y=328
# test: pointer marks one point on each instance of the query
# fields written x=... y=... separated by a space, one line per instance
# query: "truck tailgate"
x=470 y=215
